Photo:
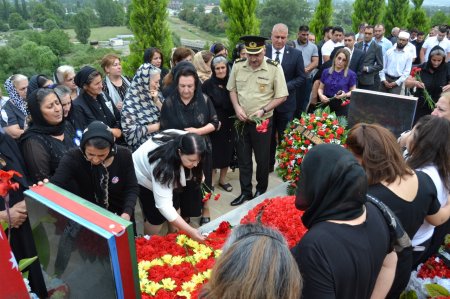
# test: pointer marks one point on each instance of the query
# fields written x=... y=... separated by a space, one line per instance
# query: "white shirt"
x=431 y=42
x=144 y=174
x=426 y=230
x=396 y=63
x=274 y=53
x=329 y=46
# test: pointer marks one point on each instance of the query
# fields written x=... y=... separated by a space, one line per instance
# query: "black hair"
x=148 y=55
x=414 y=30
x=216 y=48
x=42 y=93
x=303 y=28
x=98 y=143
x=431 y=145
x=186 y=72
x=420 y=33
x=348 y=34
x=237 y=51
x=326 y=29
x=338 y=29
x=167 y=170
x=92 y=76
x=442 y=28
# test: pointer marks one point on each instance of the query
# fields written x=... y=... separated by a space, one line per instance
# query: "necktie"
x=365 y=47
x=277 y=58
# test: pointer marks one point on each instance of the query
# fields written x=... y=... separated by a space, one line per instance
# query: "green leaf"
x=42 y=245
x=25 y=274
x=23 y=263
x=408 y=295
x=4 y=225
x=435 y=290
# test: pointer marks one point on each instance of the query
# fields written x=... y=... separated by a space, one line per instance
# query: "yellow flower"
x=197 y=278
x=188 y=286
x=200 y=256
x=156 y=262
x=191 y=243
x=217 y=253
x=181 y=239
x=166 y=258
x=184 y=294
x=143 y=274
x=145 y=265
x=176 y=260
x=207 y=274
x=168 y=284
x=152 y=287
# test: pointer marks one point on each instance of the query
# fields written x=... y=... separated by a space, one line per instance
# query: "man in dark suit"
x=373 y=61
x=357 y=55
x=294 y=72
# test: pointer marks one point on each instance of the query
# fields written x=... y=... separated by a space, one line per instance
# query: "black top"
x=42 y=153
x=340 y=260
x=86 y=109
x=411 y=214
x=11 y=115
x=122 y=183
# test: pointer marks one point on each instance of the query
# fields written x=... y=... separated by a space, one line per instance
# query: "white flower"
x=27 y=284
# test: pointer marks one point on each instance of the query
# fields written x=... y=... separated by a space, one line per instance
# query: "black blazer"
x=357 y=60
x=373 y=59
x=294 y=73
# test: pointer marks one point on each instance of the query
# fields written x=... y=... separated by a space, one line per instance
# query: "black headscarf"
x=332 y=185
x=36 y=82
x=38 y=123
x=82 y=76
x=169 y=90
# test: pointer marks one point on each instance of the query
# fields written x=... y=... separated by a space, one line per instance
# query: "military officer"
x=257 y=85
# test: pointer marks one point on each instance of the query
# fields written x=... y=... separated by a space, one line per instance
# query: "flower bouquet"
x=279 y=213
x=301 y=135
x=344 y=101
x=415 y=73
x=261 y=124
x=432 y=278
x=175 y=266
x=207 y=193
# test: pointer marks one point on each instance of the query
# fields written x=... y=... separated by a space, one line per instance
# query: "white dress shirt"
x=396 y=63
x=274 y=53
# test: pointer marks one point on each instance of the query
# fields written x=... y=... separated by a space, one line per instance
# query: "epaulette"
x=240 y=59
x=272 y=62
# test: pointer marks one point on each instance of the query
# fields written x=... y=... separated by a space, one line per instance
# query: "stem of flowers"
x=427 y=97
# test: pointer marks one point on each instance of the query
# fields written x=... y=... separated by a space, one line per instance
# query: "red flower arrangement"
x=279 y=213
x=301 y=135
x=415 y=73
x=5 y=181
x=434 y=267
x=261 y=124
x=175 y=266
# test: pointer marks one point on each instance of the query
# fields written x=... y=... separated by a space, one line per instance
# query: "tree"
x=439 y=18
x=418 y=17
x=57 y=40
x=293 y=13
x=396 y=14
x=3 y=27
x=110 y=12
x=342 y=16
x=82 y=27
x=15 y=20
x=322 y=17
x=149 y=24
x=6 y=8
x=242 y=19
x=367 y=11
x=50 y=24
x=25 y=14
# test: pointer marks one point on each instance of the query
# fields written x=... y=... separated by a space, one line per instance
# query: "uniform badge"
x=262 y=87
x=115 y=180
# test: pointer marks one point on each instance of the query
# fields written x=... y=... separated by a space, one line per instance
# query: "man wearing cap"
x=257 y=85
x=397 y=63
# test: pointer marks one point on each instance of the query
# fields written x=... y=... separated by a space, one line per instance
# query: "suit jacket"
x=373 y=59
x=357 y=60
x=294 y=73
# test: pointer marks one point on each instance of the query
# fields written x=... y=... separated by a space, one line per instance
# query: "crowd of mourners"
x=374 y=210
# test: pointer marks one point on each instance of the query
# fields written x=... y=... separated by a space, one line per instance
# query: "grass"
x=188 y=31
x=102 y=33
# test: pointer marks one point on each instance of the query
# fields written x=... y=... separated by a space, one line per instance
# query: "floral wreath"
x=301 y=135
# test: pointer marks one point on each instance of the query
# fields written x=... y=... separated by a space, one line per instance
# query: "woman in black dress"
x=222 y=140
x=188 y=109
x=48 y=138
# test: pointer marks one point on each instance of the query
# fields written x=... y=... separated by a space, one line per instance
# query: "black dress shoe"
x=240 y=200
x=258 y=193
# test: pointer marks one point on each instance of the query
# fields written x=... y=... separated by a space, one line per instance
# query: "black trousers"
x=280 y=121
x=249 y=141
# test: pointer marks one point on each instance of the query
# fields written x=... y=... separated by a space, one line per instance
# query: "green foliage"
x=5 y=10
x=24 y=13
x=23 y=263
x=50 y=24
x=367 y=11
x=322 y=17
x=86 y=55
x=408 y=295
x=439 y=18
x=293 y=13
x=148 y=22
x=58 y=41
x=24 y=26
x=213 y=22
x=3 y=27
x=15 y=20
x=396 y=14
x=41 y=13
x=242 y=19
x=82 y=27
x=419 y=19
x=435 y=290
x=342 y=16
x=110 y=12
